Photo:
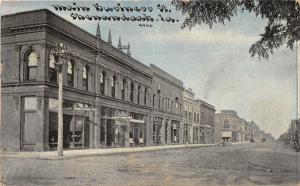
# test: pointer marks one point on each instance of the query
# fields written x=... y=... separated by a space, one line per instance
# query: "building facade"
x=167 y=99
x=207 y=122
x=229 y=127
x=109 y=98
x=188 y=99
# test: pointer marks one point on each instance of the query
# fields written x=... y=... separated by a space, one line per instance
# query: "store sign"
x=226 y=134
x=136 y=121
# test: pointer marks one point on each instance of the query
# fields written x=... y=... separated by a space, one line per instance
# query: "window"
x=52 y=70
x=70 y=73
x=153 y=100
x=145 y=96
x=30 y=103
x=139 y=92
x=123 y=88
x=226 y=124
x=31 y=66
x=113 y=86
x=85 y=76
x=131 y=91
x=195 y=117
x=102 y=82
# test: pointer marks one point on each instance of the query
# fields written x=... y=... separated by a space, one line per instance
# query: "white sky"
x=215 y=62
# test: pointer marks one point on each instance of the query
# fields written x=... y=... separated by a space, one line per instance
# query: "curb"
x=71 y=154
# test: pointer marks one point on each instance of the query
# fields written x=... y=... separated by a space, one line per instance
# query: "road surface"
x=249 y=164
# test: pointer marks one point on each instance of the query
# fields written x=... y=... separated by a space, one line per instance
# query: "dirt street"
x=251 y=164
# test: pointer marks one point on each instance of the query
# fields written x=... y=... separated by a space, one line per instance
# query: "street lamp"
x=60 y=56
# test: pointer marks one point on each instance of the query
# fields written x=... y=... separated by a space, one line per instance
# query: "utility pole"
x=298 y=78
x=59 y=65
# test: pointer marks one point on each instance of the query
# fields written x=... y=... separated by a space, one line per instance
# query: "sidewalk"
x=68 y=154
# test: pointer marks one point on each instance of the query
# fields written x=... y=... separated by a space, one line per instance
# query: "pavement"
x=242 y=164
x=52 y=155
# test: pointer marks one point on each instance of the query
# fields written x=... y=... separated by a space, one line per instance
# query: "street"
x=249 y=164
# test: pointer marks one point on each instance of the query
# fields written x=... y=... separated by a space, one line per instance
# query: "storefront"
x=137 y=129
x=76 y=125
x=175 y=129
x=157 y=126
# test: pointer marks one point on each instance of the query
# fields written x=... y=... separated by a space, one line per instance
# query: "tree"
x=283 y=19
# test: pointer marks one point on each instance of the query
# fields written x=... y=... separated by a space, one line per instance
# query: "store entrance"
x=75 y=131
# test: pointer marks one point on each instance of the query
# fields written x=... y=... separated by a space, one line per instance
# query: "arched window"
x=139 y=93
x=85 y=77
x=145 y=96
x=131 y=91
x=70 y=73
x=52 y=70
x=123 y=88
x=113 y=86
x=226 y=124
x=102 y=82
x=31 y=66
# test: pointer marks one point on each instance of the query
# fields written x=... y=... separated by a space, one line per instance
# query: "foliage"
x=283 y=19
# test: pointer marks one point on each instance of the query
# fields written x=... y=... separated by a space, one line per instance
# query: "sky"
x=215 y=62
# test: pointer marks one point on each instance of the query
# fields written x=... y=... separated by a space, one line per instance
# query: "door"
x=136 y=136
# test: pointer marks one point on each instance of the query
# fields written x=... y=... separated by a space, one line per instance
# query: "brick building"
x=229 y=126
x=108 y=95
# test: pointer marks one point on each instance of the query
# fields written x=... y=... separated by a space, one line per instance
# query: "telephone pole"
x=60 y=54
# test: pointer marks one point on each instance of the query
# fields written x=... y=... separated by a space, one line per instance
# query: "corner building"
x=110 y=99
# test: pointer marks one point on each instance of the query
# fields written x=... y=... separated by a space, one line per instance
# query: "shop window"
x=70 y=73
x=131 y=91
x=145 y=96
x=123 y=88
x=31 y=66
x=30 y=103
x=113 y=86
x=138 y=96
x=102 y=82
x=52 y=70
x=85 y=76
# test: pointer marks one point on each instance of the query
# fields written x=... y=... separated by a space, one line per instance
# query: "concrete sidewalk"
x=68 y=154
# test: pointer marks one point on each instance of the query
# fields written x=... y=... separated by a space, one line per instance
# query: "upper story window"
x=70 y=73
x=31 y=66
x=52 y=70
x=85 y=77
x=113 y=86
x=123 y=88
x=131 y=91
x=145 y=96
x=102 y=82
x=138 y=96
x=226 y=124
x=153 y=100
x=195 y=117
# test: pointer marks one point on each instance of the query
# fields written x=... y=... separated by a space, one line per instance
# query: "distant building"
x=188 y=100
x=229 y=126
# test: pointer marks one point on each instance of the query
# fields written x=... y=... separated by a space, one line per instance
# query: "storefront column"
x=162 y=131
x=97 y=129
x=169 y=132
x=127 y=130
x=180 y=132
